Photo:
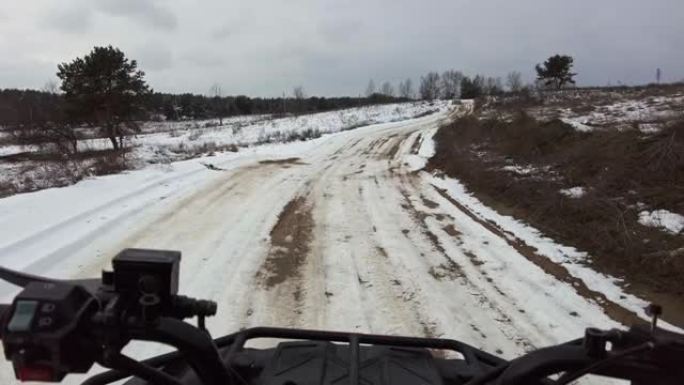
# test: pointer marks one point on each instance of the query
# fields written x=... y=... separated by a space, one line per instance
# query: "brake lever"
x=22 y=279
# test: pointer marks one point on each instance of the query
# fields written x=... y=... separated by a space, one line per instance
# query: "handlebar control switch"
x=44 y=335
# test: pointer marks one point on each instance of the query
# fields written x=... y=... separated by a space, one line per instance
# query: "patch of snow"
x=520 y=170
x=650 y=128
x=426 y=150
x=427 y=145
x=634 y=110
x=668 y=221
x=581 y=127
x=574 y=192
x=11 y=150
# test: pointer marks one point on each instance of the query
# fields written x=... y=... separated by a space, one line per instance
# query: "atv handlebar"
x=54 y=327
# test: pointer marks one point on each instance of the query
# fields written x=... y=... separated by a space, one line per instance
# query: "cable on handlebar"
x=126 y=364
x=200 y=350
x=114 y=375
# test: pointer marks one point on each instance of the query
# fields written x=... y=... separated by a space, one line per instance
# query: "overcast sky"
x=263 y=48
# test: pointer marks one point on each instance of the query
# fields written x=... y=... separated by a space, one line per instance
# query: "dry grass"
x=32 y=171
x=621 y=171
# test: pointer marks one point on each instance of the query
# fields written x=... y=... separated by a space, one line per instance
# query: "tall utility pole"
x=658 y=74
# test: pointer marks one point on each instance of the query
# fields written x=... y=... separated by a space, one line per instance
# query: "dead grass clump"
x=6 y=189
x=112 y=162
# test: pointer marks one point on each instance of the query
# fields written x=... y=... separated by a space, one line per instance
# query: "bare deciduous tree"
x=370 y=89
x=51 y=86
x=429 y=86
x=451 y=84
x=493 y=86
x=298 y=93
x=387 y=89
x=514 y=81
x=406 y=89
x=217 y=102
x=215 y=90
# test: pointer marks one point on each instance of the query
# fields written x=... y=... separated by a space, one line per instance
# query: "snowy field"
x=164 y=142
x=373 y=244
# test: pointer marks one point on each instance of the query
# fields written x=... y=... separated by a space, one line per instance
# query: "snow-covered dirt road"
x=338 y=233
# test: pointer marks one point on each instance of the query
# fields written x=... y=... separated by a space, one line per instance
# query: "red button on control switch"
x=35 y=373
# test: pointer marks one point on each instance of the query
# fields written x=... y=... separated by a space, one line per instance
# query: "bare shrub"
x=110 y=163
x=7 y=189
x=237 y=128
x=195 y=134
x=175 y=133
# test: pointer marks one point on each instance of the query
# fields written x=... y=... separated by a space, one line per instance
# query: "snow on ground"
x=520 y=170
x=423 y=147
x=574 y=192
x=283 y=129
x=649 y=113
x=650 y=128
x=164 y=142
x=10 y=149
x=577 y=125
x=573 y=260
x=386 y=252
x=668 y=221
x=159 y=139
x=72 y=214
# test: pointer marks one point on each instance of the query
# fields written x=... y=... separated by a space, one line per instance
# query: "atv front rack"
x=232 y=344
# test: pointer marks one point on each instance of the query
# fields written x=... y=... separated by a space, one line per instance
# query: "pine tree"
x=105 y=90
x=556 y=71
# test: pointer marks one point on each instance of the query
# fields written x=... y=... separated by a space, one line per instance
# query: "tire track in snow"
x=358 y=273
x=613 y=310
x=454 y=269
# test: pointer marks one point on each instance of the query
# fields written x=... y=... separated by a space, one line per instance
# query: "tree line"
x=451 y=84
x=554 y=73
x=106 y=91
x=195 y=106
x=23 y=106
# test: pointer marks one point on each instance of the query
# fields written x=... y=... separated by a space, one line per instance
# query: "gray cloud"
x=153 y=56
x=201 y=59
x=223 y=32
x=145 y=11
x=333 y=47
x=74 y=20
